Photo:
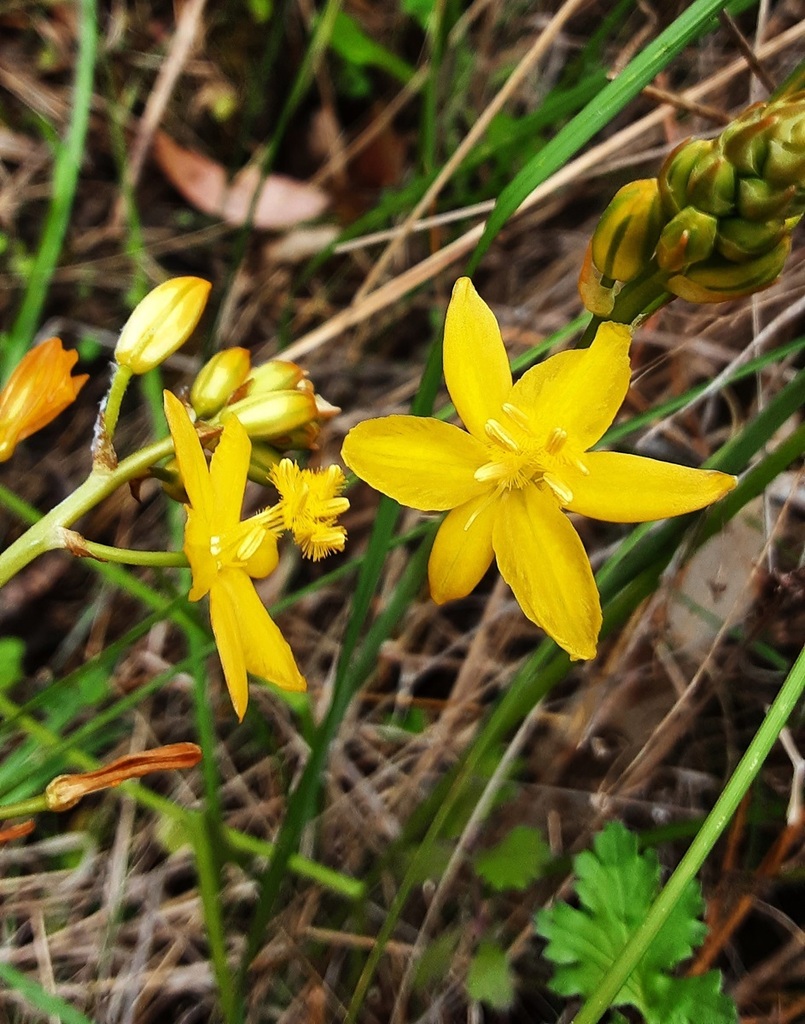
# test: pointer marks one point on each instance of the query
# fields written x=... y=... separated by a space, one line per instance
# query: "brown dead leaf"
x=282 y=201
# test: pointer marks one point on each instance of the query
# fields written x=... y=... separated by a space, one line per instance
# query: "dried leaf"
x=282 y=201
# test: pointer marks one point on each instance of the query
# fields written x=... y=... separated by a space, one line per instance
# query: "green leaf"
x=12 y=651
x=419 y=10
x=352 y=43
x=490 y=978
x=616 y=886
x=516 y=861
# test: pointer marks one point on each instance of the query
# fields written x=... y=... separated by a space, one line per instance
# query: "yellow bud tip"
x=161 y=323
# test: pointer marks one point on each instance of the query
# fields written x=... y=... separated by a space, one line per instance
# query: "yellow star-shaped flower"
x=524 y=459
x=226 y=553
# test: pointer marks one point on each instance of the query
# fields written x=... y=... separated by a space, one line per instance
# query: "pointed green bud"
x=712 y=185
x=740 y=240
x=719 y=279
x=263 y=459
x=218 y=380
x=161 y=323
x=626 y=235
x=759 y=200
x=675 y=173
x=686 y=239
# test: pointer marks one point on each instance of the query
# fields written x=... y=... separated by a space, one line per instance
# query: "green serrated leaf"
x=516 y=861
x=490 y=978
x=616 y=887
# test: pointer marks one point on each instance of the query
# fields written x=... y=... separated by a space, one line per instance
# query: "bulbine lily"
x=226 y=553
x=522 y=461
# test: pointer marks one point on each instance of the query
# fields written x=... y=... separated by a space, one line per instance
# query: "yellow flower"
x=309 y=506
x=225 y=554
x=523 y=460
x=37 y=391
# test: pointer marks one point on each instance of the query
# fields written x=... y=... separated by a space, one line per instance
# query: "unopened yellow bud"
x=273 y=415
x=218 y=380
x=161 y=323
x=275 y=375
x=626 y=236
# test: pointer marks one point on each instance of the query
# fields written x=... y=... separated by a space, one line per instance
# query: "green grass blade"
x=65 y=179
x=37 y=997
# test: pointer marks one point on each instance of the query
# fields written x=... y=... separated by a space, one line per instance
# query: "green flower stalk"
x=715 y=224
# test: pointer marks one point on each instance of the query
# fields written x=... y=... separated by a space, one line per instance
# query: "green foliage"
x=434 y=964
x=12 y=651
x=419 y=10
x=516 y=861
x=490 y=978
x=616 y=886
x=354 y=46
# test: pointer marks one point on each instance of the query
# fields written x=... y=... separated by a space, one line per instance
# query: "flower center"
x=518 y=456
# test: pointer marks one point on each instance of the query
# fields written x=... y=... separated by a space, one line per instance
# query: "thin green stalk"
x=65 y=179
x=44 y=535
x=24 y=808
x=124 y=556
x=715 y=823
x=209 y=879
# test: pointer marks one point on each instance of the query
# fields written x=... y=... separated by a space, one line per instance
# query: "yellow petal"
x=422 y=463
x=476 y=367
x=225 y=617
x=632 y=489
x=462 y=551
x=579 y=392
x=543 y=560
x=265 y=648
x=192 y=464
x=196 y=546
x=229 y=467
x=248 y=639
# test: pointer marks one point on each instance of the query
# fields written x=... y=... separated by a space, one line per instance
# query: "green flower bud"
x=719 y=279
x=675 y=173
x=274 y=415
x=218 y=380
x=740 y=240
x=759 y=200
x=711 y=185
x=626 y=236
x=161 y=323
x=686 y=239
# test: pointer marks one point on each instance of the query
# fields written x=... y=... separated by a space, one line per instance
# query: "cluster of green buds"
x=715 y=224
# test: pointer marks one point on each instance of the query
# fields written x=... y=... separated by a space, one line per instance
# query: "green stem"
x=46 y=534
x=715 y=823
x=125 y=556
x=24 y=808
x=110 y=412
